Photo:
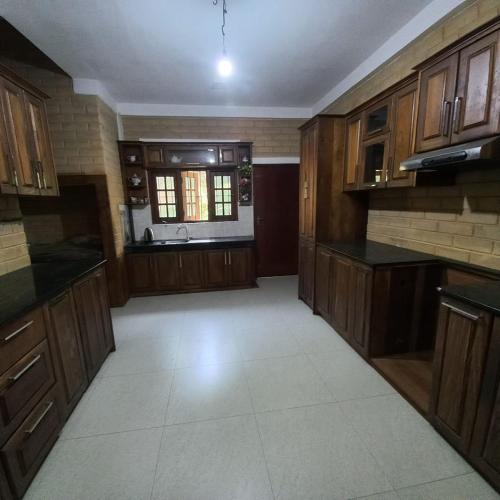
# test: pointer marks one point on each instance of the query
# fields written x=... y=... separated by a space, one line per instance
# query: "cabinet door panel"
x=17 y=133
x=140 y=272
x=353 y=145
x=216 y=268
x=374 y=162
x=239 y=266
x=191 y=270
x=228 y=155
x=437 y=91
x=402 y=136
x=477 y=103
x=167 y=271
x=306 y=271
x=155 y=156
x=322 y=282
x=7 y=174
x=40 y=145
x=360 y=293
x=67 y=347
x=308 y=165
x=339 y=295
x=461 y=344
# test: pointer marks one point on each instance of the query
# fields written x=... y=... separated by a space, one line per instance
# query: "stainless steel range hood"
x=484 y=151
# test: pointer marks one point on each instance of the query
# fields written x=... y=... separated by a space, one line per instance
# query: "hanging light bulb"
x=225 y=66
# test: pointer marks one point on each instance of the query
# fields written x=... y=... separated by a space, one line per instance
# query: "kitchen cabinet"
x=485 y=447
x=377 y=118
x=141 y=273
x=306 y=271
x=94 y=320
x=155 y=155
x=64 y=337
x=307 y=176
x=374 y=162
x=459 y=360
x=352 y=153
x=27 y=165
x=166 y=269
x=228 y=155
x=339 y=298
x=401 y=145
x=190 y=270
x=322 y=282
x=460 y=92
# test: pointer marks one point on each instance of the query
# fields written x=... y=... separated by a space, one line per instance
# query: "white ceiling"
x=286 y=53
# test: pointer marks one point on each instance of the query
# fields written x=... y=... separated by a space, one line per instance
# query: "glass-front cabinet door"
x=374 y=161
x=377 y=118
x=179 y=156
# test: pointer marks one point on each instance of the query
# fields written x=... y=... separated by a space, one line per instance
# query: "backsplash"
x=242 y=227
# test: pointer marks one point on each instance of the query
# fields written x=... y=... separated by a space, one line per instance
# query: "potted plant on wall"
x=245 y=182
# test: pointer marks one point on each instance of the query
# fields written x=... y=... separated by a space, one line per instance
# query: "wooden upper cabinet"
x=401 y=147
x=461 y=345
x=307 y=188
x=228 y=155
x=352 y=152
x=437 y=92
x=377 y=118
x=374 y=162
x=7 y=172
x=155 y=156
x=40 y=145
x=477 y=101
x=17 y=134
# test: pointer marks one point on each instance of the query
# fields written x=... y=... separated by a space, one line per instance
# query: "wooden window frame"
x=176 y=173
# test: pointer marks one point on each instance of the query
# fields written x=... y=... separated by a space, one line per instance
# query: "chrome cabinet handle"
x=457 y=310
x=30 y=365
x=446 y=118
x=39 y=420
x=17 y=332
x=457 y=111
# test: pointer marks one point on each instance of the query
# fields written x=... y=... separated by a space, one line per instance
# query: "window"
x=193 y=195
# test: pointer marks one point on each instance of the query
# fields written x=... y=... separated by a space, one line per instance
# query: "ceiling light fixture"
x=224 y=66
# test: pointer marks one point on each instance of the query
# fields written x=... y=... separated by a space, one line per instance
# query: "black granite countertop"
x=27 y=288
x=483 y=295
x=373 y=254
x=192 y=244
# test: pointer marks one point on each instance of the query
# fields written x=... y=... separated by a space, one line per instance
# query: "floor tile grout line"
x=102 y=434
x=157 y=463
x=438 y=480
x=263 y=451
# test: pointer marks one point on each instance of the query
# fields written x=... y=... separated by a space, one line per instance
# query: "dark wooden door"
x=239 y=262
x=306 y=271
x=167 y=271
x=41 y=150
x=477 y=101
x=360 y=293
x=216 y=268
x=91 y=323
x=485 y=448
x=459 y=360
x=191 y=270
x=404 y=111
x=352 y=153
x=437 y=92
x=17 y=133
x=322 y=282
x=339 y=296
x=140 y=271
x=276 y=207
x=67 y=348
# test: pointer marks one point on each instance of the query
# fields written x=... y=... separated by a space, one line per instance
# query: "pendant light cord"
x=224 y=12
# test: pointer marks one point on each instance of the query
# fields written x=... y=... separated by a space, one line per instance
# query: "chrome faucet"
x=183 y=226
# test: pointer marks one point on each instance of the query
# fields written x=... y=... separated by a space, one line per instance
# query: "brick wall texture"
x=270 y=136
x=461 y=222
x=83 y=133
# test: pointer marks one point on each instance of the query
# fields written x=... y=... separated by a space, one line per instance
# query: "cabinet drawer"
x=23 y=454
x=19 y=337
x=23 y=385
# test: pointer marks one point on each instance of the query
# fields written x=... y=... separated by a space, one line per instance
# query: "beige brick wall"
x=13 y=247
x=461 y=222
x=271 y=136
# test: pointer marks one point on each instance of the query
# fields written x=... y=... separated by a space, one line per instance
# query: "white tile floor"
x=244 y=395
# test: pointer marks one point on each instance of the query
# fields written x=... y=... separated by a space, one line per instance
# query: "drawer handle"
x=38 y=421
x=18 y=331
x=30 y=365
x=468 y=315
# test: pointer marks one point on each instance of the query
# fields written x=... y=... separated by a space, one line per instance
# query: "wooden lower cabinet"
x=459 y=360
x=339 y=295
x=306 y=270
x=190 y=270
x=94 y=321
x=66 y=345
x=324 y=266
